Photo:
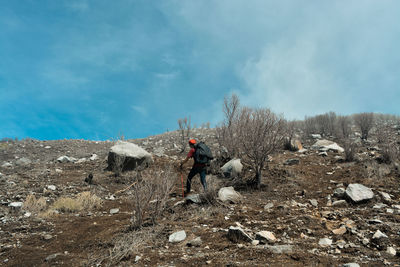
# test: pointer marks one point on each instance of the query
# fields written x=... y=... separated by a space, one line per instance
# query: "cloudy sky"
x=99 y=69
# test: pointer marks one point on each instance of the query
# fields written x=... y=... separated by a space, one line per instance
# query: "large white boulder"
x=127 y=156
x=229 y=194
x=232 y=168
x=326 y=145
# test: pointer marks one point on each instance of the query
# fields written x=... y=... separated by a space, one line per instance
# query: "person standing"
x=197 y=168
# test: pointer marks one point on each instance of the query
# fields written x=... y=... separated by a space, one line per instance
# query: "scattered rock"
x=279 y=249
x=314 y=202
x=386 y=197
x=352 y=264
x=359 y=193
x=378 y=235
x=291 y=162
x=265 y=236
x=339 y=192
x=52 y=256
x=6 y=165
x=236 y=234
x=23 y=162
x=326 y=145
x=52 y=187
x=197 y=242
x=339 y=203
x=16 y=204
x=66 y=159
x=269 y=206
x=229 y=194
x=177 y=237
x=325 y=242
x=339 y=231
x=114 y=211
x=94 y=157
x=391 y=251
x=195 y=198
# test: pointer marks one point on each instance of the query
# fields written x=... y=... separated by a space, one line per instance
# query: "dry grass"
x=35 y=205
x=84 y=201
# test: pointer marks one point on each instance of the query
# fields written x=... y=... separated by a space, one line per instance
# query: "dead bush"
x=34 y=205
x=83 y=201
x=365 y=121
x=150 y=194
x=184 y=132
x=349 y=150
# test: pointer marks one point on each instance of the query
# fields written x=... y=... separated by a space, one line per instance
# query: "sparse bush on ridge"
x=184 y=132
x=365 y=121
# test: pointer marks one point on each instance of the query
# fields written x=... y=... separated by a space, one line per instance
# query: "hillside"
x=298 y=203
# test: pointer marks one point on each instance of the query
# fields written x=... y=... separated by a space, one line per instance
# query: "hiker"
x=198 y=167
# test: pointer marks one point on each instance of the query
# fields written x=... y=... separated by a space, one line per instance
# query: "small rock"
x=291 y=162
x=236 y=234
x=16 y=204
x=197 y=242
x=177 y=237
x=339 y=192
x=47 y=237
x=65 y=159
x=52 y=187
x=325 y=242
x=265 y=236
x=269 y=206
x=378 y=234
x=52 y=256
x=229 y=194
x=114 y=211
x=23 y=162
x=386 y=197
x=255 y=242
x=137 y=258
x=391 y=251
x=314 y=202
x=7 y=165
x=279 y=249
x=339 y=203
x=358 y=193
x=94 y=157
x=352 y=264
x=195 y=198
x=339 y=231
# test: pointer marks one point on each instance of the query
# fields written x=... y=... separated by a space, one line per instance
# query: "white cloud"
x=140 y=109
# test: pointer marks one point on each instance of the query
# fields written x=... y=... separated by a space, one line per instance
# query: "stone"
x=378 y=235
x=255 y=242
x=228 y=194
x=269 y=206
x=236 y=234
x=51 y=187
x=93 y=157
x=358 y=193
x=265 y=236
x=52 y=256
x=114 y=211
x=316 y=136
x=291 y=162
x=6 y=165
x=195 y=198
x=339 y=203
x=351 y=264
x=323 y=154
x=391 y=251
x=326 y=145
x=386 y=197
x=127 y=156
x=177 y=237
x=339 y=231
x=66 y=159
x=197 y=242
x=379 y=206
x=314 y=202
x=339 y=192
x=23 y=162
x=325 y=242
x=16 y=204
x=232 y=168
x=279 y=249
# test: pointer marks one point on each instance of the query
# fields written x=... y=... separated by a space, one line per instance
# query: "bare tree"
x=226 y=130
x=365 y=121
x=344 y=126
x=259 y=133
x=184 y=131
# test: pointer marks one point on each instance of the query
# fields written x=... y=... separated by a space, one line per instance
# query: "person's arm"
x=189 y=155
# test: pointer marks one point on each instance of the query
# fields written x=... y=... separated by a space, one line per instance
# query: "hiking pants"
x=192 y=173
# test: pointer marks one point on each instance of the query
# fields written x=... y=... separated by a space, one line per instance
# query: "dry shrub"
x=349 y=150
x=34 y=205
x=150 y=194
x=84 y=200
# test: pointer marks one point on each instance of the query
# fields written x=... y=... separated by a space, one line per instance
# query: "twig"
x=123 y=190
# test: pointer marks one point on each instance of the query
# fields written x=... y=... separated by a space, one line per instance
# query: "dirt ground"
x=99 y=238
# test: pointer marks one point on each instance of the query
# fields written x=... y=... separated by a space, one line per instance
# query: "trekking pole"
x=183 y=192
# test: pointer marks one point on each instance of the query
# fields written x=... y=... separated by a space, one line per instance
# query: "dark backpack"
x=202 y=153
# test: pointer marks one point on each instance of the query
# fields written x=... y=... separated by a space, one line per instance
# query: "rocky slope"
x=304 y=215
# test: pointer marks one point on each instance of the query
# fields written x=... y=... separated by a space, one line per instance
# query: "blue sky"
x=100 y=69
